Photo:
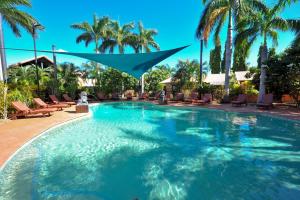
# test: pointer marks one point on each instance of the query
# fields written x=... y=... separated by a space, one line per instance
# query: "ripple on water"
x=138 y=150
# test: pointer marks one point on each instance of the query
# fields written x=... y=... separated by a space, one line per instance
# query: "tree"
x=264 y=22
x=187 y=75
x=215 y=60
x=68 y=74
x=15 y=18
x=93 y=32
x=120 y=37
x=143 y=41
x=241 y=52
x=156 y=75
x=115 y=81
x=93 y=70
x=214 y=16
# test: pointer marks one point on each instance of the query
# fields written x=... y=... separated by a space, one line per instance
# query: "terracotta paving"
x=15 y=133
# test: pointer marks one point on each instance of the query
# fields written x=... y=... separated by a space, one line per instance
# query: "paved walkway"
x=15 y=133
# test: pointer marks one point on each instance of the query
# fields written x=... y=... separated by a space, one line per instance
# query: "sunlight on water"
x=142 y=151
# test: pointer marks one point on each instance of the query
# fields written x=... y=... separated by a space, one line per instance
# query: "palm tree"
x=120 y=36
x=264 y=23
x=143 y=41
x=93 y=32
x=68 y=75
x=214 y=16
x=15 y=19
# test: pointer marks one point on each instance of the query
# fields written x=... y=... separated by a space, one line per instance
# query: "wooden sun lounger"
x=192 y=97
x=129 y=96
x=143 y=96
x=156 y=97
x=178 y=98
x=101 y=96
x=67 y=98
x=267 y=102
x=55 y=100
x=207 y=98
x=41 y=104
x=23 y=110
x=241 y=100
x=115 y=97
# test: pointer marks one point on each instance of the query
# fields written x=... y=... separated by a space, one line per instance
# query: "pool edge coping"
x=43 y=133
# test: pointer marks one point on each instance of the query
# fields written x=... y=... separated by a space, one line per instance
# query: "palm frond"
x=279 y=23
x=274 y=36
x=16 y=19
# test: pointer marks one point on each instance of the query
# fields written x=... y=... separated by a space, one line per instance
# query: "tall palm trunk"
x=142 y=78
x=2 y=53
x=228 y=56
x=264 y=58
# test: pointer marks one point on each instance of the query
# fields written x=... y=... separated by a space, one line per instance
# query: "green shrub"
x=3 y=100
x=24 y=96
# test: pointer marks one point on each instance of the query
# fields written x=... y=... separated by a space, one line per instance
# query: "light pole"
x=35 y=25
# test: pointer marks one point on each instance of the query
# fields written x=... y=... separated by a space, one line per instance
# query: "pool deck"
x=15 y=133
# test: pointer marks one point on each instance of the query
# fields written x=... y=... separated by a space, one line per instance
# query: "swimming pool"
x=131 y=150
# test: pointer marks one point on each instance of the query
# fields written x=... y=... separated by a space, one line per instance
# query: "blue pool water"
x=142 y=151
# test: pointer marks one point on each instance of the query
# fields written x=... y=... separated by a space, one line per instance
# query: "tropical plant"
x=144 y=40
x=20 y=77
x=215 y=59
x=3 y=100
x=264 y=22
x=68 y=74
x=240 y=54
x=15 y=18
x=96 y=32
x=120 y=37
x=214 y=16
x=156 y=75
x=115 y=81
x=92 y=70
x=283 y=75
x=187 y=75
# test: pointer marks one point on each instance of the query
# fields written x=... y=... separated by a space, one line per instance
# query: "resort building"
x=42 y=61
x=219 y=79
x=216 y=79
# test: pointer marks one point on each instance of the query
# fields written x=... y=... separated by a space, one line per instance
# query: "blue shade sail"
x=133 y=64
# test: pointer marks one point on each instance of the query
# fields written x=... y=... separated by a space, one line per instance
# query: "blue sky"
x=175 y=20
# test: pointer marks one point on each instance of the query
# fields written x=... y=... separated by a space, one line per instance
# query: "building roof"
x=216 y=79
x=169 y=80
x=219 y=79
x=41 y=59
x=241 y=76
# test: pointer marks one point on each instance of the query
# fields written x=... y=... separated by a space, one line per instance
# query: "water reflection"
x=139 y=151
